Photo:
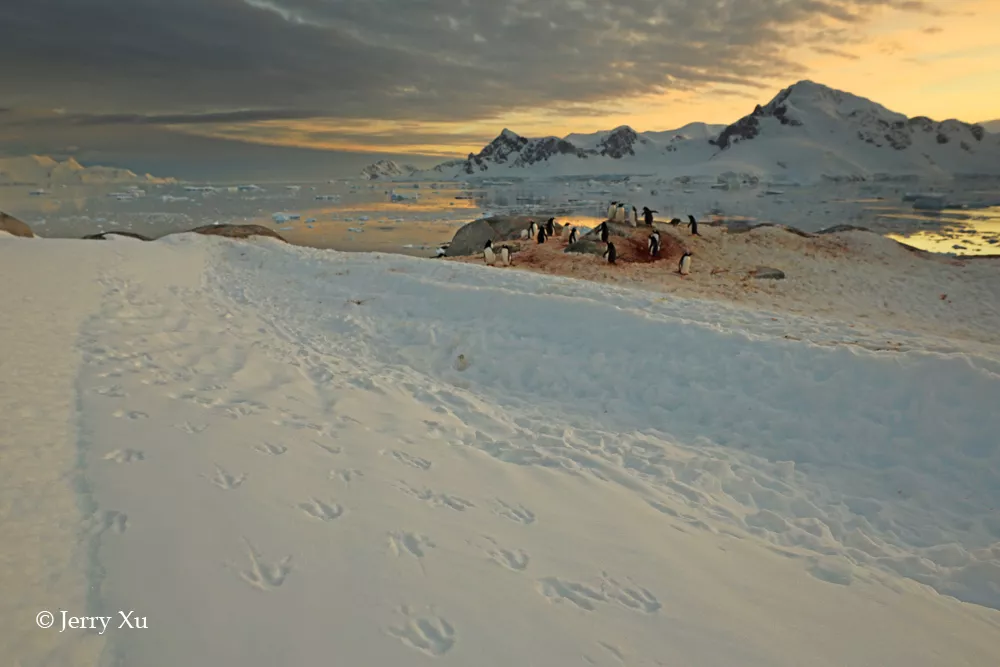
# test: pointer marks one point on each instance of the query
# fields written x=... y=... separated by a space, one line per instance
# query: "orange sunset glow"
x=944 y=64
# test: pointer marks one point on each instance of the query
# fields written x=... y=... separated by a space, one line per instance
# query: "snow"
x=828 y=134
x=294 y=454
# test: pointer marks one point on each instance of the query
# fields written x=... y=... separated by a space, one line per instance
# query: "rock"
x=471 y=237
x=836 y=229
x=15 y=227
x=237 y=231
x=586 y=247
x=767 y=273
x=104 y=235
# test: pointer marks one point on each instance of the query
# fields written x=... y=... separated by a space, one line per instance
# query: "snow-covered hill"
x=386 y=169
x=421 y=462
x=808 y=132
x=992 y=126
x=47 y=172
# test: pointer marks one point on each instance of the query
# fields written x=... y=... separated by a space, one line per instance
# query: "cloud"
x=154 y=62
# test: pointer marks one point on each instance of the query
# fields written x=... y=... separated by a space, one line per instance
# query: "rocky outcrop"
x=472 y=237
x=15 y=227
x=237 y=231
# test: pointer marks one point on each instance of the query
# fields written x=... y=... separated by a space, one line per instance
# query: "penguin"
x=505 y=255
x=524 y=235
x=684 y=266
x=541 y=236
x=693 y=224
x=675 y=222
x=441 y=252
x=488 y=254
x=573 y=236
x=605 y=232
x=550 y=227
x=612 y=207
x=532 y=230
x=647 y=216
x=611 y=253
x=654 y=244
x=635 y=217
x=620 y=213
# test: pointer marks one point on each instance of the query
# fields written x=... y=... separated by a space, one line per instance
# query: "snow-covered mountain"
x=808 y=132
x=992 y=126
x=47 y=172
x=386 y=169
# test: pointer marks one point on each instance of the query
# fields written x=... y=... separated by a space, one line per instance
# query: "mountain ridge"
x=808 y=131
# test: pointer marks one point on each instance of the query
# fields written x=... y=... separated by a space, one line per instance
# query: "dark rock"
x=586 y=247
x=104 y=235
x=15 y=227
x=471 y=237
x=237 y=231
x=767 y=273
x=836 y=229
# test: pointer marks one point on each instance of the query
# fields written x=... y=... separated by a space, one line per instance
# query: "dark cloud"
x=135 y=62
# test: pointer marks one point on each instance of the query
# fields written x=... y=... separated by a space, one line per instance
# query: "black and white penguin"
x=541 y=236
x=654 y=244
x=612 y=207
x=605 y=232
x=573 y=236
x=532 y=230
x=693 y=224
x=620 y=213
x=611 y=253
x=675 y=222
x=684 y=266
x=647 y=216
x=550 y=227
x=488 y=254
x=505 y=255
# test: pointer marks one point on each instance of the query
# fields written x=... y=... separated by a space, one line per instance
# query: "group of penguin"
x=616 y=211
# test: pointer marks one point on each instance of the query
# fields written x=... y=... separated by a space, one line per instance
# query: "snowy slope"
x=46 y=171
x=386 y=169
x=807 y=133
x=296 y=456
x=992 y=126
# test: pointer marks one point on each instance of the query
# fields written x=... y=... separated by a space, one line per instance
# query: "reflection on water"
x=953 y=232
x=417 y=217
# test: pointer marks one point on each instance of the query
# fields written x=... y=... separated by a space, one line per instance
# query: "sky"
x=418 y=78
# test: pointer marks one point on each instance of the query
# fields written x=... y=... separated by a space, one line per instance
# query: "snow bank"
x=378 y=457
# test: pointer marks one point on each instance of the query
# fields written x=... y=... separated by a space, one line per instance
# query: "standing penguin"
x=532 y=230
x=505 y=255
x=654 y=244
x=635 y=217
x=550 y=227
x=488 y=254
x=573 y=236
x=541 y=235
x=611 y=253
x=620 y=213
x=605 y=232
x=693 y=224
x=684 y=266
x=612 y=207
x=647 y=216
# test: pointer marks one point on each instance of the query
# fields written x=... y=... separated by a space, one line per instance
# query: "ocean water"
x=416 y=217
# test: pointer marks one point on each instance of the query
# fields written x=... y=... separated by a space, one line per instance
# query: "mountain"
x=992 y=126
x=45 y=171
x=386 y=169
x=808 y=132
